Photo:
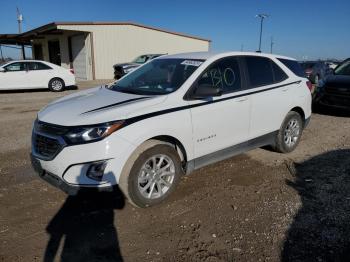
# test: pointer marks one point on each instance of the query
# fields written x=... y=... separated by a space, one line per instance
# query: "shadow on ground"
x=85 y=227
x=321 y=229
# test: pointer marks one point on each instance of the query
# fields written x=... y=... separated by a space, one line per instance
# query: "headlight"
x=93 y=133
x=128 y=70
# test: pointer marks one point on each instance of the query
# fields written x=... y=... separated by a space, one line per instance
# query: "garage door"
x=79 y=57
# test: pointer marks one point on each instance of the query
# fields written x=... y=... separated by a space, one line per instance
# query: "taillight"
x=71 y=70
x=309 y=85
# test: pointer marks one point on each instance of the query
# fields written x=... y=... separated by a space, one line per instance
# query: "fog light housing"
x=96 y=170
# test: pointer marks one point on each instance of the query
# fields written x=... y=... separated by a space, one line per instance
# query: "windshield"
x=343 y=69
x=158 y=77
x=140 y=59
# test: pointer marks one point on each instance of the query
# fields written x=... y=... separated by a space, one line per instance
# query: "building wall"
x=64 y=50
x=122 y=43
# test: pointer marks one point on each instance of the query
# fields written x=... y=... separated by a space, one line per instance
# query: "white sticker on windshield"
x=191 y=62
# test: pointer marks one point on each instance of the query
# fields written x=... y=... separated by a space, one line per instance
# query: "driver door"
x=14 y=76
x=220 y=122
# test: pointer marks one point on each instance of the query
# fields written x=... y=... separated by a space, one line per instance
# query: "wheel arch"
x=179 y=147
x=56 y=77
x=123 y=182
x=300 y=111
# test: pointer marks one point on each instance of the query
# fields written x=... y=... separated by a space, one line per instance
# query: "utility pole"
x=242 y=47
x=262 y=17
x=19 y=20
x=272 y=43
x=2 y=56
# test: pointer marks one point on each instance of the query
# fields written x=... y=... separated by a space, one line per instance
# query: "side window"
x=224 y=74
x=259 y=71
x=293 y=66
x=17 y=66
x=278 y=73
x=37 y=66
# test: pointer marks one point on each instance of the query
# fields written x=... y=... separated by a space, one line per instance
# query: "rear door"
x=39 y=75
x=223 y=121
x=271 y=97
x=14 y=76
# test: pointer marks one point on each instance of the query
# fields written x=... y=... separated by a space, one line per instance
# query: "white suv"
x=173 y=115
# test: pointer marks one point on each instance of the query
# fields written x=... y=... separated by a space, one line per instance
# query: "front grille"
x=50 y=129
x=46 y=147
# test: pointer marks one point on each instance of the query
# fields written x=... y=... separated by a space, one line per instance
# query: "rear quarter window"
x=279 y=74
x=293 y=66
x=37 y=66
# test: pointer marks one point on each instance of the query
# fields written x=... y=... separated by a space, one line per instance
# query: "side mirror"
x=2 y=70
x=205 y=91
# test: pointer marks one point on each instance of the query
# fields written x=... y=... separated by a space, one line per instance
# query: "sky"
x=300 y=29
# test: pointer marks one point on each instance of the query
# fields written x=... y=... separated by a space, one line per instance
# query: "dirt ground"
x=259 y=206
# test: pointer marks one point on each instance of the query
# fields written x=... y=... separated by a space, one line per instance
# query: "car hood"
x=342 y=81
x=97 y=105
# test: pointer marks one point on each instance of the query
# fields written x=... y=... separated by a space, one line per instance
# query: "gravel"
x=258 y=206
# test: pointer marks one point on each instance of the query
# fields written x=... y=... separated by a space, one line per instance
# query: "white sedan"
x=30 y=74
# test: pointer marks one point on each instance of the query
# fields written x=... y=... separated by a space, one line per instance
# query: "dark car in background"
x=316 y=70
x=125 y=68
x=334 y=90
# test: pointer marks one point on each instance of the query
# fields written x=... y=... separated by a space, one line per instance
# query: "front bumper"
x=58 y=182
x=68 y=170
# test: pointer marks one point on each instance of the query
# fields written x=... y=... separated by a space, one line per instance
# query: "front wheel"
x=56 y=85
x=289 y=135
x=153 y=175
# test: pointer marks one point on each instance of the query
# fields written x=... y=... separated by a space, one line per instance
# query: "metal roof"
x=207 y=55
x=24 y=38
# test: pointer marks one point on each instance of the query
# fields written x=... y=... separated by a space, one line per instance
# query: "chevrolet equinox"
x=169 y=117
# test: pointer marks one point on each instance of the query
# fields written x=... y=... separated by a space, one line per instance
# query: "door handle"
x=285 y=89
x=242 y=99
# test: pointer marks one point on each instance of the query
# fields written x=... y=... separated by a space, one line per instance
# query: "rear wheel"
x=155 y=170
x=289 y=135
x=56 y=85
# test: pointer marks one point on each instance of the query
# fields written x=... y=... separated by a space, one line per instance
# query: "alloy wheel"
x=156 y=176
x=292 y=132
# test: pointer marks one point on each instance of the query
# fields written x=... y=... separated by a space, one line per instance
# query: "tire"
x=142 y=183
x=289 y=135
x=56 y=85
